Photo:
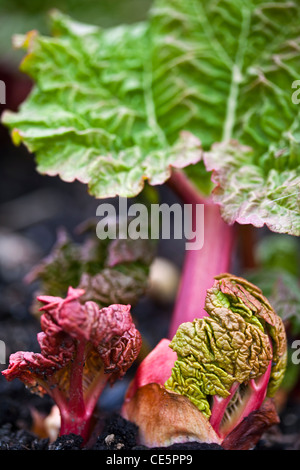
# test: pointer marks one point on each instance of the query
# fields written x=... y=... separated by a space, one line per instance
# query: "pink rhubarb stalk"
x=251 y=400
x=202 y=265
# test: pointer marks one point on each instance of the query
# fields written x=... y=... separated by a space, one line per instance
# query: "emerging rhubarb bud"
x=165 y=418
x=82 y=349
x=237 y=354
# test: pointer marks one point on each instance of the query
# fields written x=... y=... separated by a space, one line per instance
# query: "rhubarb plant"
x=83 y=348
x=198 y=96
x=116 y=107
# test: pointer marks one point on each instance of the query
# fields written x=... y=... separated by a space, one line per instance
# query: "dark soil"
x=121 y=435
x=115 y=434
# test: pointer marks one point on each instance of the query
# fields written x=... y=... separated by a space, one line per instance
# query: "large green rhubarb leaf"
x=115 y=107
x=90 y=115
x=235 y=64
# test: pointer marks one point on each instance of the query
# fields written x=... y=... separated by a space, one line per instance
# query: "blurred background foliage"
x=277 y=273
x=20 y=16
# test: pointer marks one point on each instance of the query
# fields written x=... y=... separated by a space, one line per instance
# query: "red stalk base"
x=77 y=411
x=224 y=419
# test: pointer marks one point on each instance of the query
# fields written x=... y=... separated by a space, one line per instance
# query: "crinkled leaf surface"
x=213 y=353
x=250 y=194
x=235 y=343
x=234 y=64
x=115 y=107
x=90 y=115
x=247 y=300
x=109 y=337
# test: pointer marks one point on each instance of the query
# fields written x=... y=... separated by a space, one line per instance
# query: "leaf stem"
x=251 y=400
x=202 y=265
x=74 y=417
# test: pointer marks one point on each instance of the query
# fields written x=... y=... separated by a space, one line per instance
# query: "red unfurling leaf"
x=82 y=349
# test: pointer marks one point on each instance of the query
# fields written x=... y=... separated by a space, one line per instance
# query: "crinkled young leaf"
x=111 y=344
x=229 y=67
x=111 y=285
x=214 y=353
x=235 y=343
x=91 y=114
x=249 y=302
x=83 y=348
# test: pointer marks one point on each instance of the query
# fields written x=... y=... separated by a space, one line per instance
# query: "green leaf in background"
x=278 y=275
x=229 y=66
x=90 y=116
x=110 y=271
x=20 y=16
